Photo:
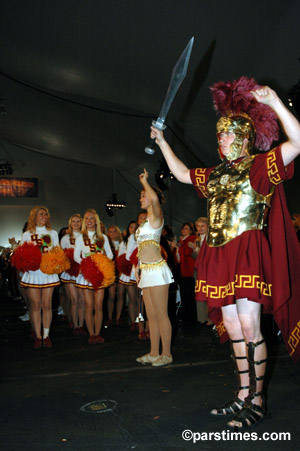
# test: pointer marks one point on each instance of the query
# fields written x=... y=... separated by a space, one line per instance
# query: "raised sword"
x=178 y=74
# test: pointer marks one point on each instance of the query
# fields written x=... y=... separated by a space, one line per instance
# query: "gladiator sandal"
x=252 y=413
x=236 y=404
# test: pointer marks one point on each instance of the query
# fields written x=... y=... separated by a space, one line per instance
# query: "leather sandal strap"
x=257 y=393
x=243 y=372
x=231 y=407
x=250 y=415
x=259 y=378
x=237 y=341
x=245 y=387
x=257 y=343
x=258 y=362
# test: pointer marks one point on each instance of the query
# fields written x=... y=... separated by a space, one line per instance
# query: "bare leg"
x=63 y=300
x=89 y=309
x=153 y=323
x=47 y=294
x=80 y=300
x=73 y=297
x=132 y=304
x=111 y=300
x=120 y=300
x=98 y=302
x=156 y=302
x=24 y=294
x=35 y=299
x=159 y=299
x=249 y=316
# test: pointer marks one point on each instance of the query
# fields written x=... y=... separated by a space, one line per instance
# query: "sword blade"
x=178 y=75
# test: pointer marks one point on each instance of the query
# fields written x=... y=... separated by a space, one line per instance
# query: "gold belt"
x=152 y=265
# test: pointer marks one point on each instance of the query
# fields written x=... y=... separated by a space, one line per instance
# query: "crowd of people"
x=81 y=302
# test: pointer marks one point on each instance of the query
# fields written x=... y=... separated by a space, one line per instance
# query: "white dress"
x=66 y=243
x=152 y=273
x=85 y=249
x=46 y=240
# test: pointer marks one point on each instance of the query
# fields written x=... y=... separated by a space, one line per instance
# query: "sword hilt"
x=150 y=148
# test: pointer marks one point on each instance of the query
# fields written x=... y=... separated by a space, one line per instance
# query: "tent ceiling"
x=82 y=80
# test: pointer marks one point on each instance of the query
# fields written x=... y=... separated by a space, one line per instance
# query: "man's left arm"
x=290 y=149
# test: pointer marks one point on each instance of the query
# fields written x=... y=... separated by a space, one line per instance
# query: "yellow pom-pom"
x=107 y=267
x=54 y=261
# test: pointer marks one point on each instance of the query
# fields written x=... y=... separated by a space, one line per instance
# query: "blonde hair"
x=120 y=236
x=102 y=227
x=32 y=218
x=70 y=228
x=98 y=234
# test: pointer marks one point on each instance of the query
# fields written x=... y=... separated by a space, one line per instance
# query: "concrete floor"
x=89 y=398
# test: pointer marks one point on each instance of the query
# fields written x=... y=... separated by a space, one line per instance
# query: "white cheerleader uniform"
x=152 y=273
x=66 y=243
x=46 y=240
x=85 y=249
x=131 y=246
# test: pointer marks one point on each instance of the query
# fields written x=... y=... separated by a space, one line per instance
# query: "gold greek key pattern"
x=200 y=180
x=241 y=281
x=273 y=171
x=221 y=328
x=294 y=339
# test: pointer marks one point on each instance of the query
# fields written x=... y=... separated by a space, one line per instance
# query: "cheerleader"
x=125 y=283
x=133 y=298
x=155 y=276
x=115 y=238
x=40 y=286
x=90 y=242
x=73 y=293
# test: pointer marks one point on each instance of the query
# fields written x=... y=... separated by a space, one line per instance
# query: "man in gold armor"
x=237 y=268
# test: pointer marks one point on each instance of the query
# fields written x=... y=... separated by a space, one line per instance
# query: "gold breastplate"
x=233 y=205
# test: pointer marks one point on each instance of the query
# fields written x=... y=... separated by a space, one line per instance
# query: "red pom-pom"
x=123 y=265
x=75 y=267
x=134 y=258
x=26 y=257
x=91 y=272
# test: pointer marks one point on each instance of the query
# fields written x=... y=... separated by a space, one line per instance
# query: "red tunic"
x=243 y=268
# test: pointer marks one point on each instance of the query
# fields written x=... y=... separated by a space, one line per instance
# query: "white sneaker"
x=163 y=360
x=24 y=317
x=147 y=358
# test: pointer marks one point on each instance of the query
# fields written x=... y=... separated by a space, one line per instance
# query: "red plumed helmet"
x=26 y=257
x=235 y=99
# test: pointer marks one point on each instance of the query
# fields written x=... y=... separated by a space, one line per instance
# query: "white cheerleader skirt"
x=66 y=278
x=38 y=279
x=126 y=280
x=155 y=274
x=81 y=282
